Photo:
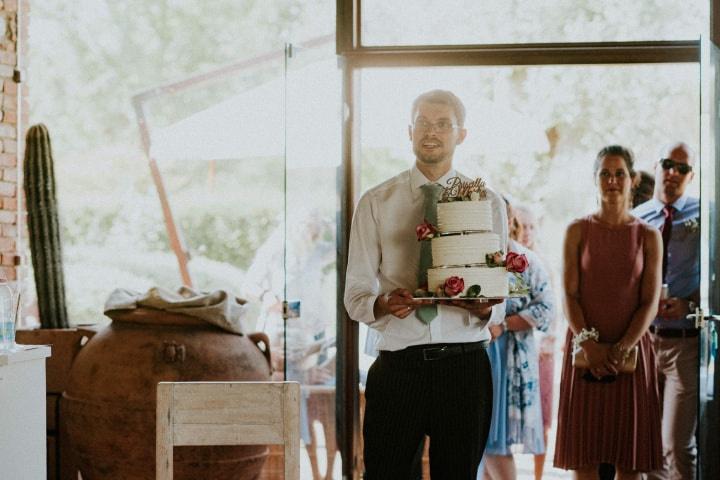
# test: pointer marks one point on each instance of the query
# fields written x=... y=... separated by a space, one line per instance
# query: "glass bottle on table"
x=7 y=317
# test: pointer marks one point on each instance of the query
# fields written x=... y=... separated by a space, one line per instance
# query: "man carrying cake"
x=432 y=376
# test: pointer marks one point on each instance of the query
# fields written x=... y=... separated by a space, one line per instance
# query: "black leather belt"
x=434 y=351
x=674 y=332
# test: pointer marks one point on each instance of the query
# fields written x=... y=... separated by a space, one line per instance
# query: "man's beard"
x=432 y=158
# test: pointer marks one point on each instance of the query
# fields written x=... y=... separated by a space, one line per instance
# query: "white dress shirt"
x=384 y=255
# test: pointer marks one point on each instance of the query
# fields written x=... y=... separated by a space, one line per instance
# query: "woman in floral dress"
x=517 y=415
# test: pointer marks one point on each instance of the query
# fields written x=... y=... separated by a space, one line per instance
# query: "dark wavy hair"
x=625 y=153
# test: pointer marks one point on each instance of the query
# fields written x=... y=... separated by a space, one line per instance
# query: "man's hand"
x=673 y=308
x=481 y=308
x=399 y=302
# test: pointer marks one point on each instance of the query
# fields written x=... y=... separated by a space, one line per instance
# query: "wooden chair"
x=227 y=413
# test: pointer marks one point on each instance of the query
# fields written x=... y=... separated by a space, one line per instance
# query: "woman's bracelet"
x=585 y=334
x=620 y=348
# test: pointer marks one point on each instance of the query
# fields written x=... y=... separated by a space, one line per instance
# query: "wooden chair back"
x=227 y=413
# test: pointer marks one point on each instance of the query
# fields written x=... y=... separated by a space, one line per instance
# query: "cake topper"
x=457 y=190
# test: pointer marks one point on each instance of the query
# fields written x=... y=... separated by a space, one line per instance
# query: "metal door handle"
x=699 y=318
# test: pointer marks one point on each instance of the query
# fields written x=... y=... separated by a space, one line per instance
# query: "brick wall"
x=10 y=113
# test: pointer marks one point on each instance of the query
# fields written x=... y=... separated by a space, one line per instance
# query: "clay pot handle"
x=172 y=352
x=259 y=337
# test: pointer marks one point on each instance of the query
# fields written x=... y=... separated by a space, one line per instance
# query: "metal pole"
x=176 y=242
x=288 y=55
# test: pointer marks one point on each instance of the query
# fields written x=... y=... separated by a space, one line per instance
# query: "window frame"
x=353 y=57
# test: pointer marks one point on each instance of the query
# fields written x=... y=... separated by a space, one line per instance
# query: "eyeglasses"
x=443 y=126
x=681 y=168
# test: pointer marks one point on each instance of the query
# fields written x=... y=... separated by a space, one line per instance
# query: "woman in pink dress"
x=612 y=265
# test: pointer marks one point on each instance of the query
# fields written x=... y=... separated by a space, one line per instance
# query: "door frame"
x=354 y=57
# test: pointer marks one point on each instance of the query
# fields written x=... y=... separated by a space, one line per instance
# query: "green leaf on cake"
x=473 y=291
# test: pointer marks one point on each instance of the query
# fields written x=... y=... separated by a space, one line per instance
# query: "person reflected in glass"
x=611 y=272
x=517 y=414
x=307 y=249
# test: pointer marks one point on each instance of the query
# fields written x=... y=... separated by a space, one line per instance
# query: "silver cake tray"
x=473 y=299
x=463 y=232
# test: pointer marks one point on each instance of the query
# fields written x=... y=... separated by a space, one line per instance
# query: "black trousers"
x=410 y=394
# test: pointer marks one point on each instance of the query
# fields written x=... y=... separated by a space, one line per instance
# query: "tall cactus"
x=44 y=228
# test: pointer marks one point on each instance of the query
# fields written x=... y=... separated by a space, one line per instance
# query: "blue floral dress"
x=517 y=415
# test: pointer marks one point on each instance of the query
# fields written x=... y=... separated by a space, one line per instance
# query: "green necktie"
x=431 y=192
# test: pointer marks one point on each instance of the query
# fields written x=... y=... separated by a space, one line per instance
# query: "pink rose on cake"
x=516 y=262
x=425 y=230
x=454 y=286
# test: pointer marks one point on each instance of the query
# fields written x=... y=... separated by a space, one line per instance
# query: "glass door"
x=709 y=371
x=526 y=137
x=312 y=157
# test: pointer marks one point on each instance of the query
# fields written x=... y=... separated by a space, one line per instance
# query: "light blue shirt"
x=683 y=268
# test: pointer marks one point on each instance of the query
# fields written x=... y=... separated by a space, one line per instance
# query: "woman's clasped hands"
x=602 y=361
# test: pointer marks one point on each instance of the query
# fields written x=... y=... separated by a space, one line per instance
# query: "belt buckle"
x=430 y=354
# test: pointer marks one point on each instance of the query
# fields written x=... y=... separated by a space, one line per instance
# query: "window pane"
x=457 y=22
x=113 y=229
x=220 y=137
x=532 y=134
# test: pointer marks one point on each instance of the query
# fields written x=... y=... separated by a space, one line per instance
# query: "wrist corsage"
x=585 y=334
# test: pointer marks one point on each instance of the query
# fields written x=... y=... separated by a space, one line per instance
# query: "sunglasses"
x=681 y=168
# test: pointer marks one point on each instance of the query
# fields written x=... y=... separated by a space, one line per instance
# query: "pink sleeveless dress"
x=618 y=422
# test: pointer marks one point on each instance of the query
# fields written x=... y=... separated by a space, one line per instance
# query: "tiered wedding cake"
x=466 y=255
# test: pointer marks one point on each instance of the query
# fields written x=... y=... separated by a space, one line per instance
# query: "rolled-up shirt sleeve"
x=361 y=280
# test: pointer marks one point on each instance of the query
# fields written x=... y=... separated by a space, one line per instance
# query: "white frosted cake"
x=465 y=238
x=493 y=282
x=464 y=249
x=464 y=216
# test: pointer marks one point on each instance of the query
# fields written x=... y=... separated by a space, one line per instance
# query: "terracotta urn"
x=109 y=403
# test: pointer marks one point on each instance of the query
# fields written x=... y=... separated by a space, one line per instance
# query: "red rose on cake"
x=516 y=262
x=454 y=286
x=425 y=230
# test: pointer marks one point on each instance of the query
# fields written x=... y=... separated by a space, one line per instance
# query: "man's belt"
x=674 y=332
x=434 y=352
